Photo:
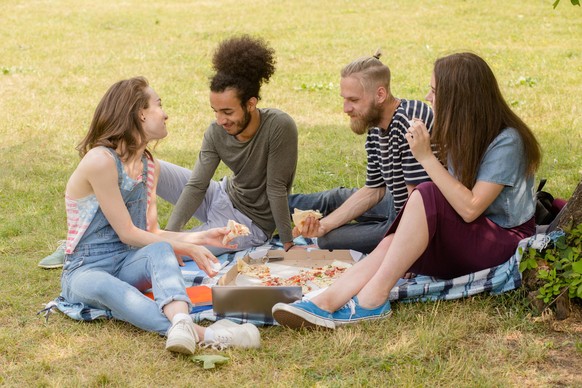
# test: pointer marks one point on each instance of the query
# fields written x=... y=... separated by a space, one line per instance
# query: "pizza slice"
x=299 y=217
x=234 y=230
x=258 y=271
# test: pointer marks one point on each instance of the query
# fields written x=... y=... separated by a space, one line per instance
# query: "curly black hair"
x=243 y=63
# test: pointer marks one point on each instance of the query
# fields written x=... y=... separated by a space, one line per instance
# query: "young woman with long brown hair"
x=470 y=217
x=115 y=249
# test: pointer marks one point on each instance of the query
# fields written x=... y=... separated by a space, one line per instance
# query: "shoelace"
x=352 y=306
x=47 y=310
x=219 y=343
x=541 y=241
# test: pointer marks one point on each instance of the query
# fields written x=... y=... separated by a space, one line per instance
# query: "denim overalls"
x=103 y=272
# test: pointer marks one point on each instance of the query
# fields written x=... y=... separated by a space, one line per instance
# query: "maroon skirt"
x=456 y=247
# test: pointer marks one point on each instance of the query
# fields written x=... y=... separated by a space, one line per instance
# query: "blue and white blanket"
x=496 y=280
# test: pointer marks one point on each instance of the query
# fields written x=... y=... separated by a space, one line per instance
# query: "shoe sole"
x=50 y=266
x=293 y=318
x=180 y=348
x=354 y=321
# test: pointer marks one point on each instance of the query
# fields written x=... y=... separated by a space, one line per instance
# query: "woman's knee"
x=163 y=249
x=429 y=190
x=385 y=243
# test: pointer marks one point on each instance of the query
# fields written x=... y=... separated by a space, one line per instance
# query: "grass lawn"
x=58 y=57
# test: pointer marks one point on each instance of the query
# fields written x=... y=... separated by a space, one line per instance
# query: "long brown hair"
x=470 y=112
x=116 y=119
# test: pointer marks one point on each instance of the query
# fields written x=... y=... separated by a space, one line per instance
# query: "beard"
x=370 y=118
x=244 y=123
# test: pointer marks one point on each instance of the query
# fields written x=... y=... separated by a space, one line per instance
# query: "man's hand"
x=312 y=227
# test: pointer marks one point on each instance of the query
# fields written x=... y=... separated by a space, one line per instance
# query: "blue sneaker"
x=352 y=312
x=302 y=313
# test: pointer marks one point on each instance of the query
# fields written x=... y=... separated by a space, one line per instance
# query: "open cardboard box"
x=306 y=258
x=256 y=301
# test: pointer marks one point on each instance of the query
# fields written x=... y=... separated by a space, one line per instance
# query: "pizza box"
x=302 y=258
x=256 y=301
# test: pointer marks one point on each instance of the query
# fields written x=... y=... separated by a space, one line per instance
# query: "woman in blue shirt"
x=470 y=217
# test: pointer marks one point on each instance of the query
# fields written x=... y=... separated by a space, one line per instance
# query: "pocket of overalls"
x=137 y=210
x=72 y=264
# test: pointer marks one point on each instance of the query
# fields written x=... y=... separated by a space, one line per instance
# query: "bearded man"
x=355 y=218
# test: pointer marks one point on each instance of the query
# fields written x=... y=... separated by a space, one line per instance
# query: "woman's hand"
x=205 y=260
x=418 y=139
x=212 y=237
x=215 y=236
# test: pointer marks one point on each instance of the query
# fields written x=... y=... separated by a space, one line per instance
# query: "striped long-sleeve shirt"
x=390 y=161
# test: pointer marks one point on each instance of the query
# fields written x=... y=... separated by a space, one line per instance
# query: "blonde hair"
x=370 y=71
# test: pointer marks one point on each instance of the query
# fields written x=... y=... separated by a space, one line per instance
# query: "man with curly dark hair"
x=259 y=145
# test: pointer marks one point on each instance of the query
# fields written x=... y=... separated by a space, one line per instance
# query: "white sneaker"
x=182 y=337
x=228 y=333
x=222 y=324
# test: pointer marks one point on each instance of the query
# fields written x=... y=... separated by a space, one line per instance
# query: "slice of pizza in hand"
x=234 y=230
x=299 y=217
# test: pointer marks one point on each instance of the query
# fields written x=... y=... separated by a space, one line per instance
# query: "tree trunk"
x=571 y=215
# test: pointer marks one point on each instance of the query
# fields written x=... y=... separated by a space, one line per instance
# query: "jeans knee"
x=163 y=247
x=162 y=252
x=324 y=243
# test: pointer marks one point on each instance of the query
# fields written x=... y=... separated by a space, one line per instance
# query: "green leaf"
x=556 y=3
x=575 y=2
x=579 y=292
x=577 y=266
x=210 y=360
x=561 y=243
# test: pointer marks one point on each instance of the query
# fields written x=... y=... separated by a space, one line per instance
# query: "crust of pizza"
x=234 y=230
x=299 y=217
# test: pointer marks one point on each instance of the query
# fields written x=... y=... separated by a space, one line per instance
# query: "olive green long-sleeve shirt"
x=263 y=172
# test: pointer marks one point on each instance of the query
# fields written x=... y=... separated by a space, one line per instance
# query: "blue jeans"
x=113 y=276
x=363 y=234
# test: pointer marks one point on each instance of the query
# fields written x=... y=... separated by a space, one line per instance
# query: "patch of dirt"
x=564 y=358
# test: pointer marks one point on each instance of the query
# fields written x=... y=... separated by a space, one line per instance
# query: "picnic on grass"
x=447 y=207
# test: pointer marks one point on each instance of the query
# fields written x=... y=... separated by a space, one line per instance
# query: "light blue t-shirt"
x=504 y=163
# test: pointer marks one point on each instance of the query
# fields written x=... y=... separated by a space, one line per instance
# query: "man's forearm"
x=361 y=201
x=184 y=209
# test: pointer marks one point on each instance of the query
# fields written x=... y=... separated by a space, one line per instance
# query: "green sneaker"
x=55 y=259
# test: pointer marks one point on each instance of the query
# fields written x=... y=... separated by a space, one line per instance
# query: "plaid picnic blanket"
x=496 y=280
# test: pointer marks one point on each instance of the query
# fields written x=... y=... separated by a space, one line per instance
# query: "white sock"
x=209 y=335
x=179 y=317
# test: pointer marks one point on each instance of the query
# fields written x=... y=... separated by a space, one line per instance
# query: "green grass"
x=57 y=58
